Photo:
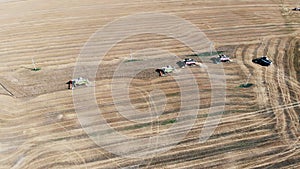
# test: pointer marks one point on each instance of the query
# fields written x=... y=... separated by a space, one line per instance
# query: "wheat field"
x=39 y=126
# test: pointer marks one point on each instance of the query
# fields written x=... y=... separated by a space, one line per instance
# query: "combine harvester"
x=186 y=62
x=78 y=82
x=190 y=62
x=165 y=70
x=224 y=58
x=221 y=58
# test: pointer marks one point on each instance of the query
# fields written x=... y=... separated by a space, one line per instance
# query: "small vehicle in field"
x=296 y=9
x=263 y=61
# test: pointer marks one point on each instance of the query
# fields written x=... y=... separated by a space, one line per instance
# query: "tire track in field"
x=291 y=115
x=282 y=92
x=273 y=92
x=245 y=61
x=284 y=107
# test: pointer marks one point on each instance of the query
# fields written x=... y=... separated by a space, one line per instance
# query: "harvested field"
x=39 y=126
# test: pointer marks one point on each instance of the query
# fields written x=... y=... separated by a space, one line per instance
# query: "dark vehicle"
x=296 y=9
x=263 y=61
